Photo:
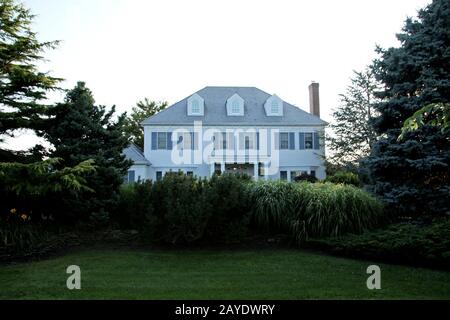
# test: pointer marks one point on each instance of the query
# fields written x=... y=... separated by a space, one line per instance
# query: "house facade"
x=232 y=129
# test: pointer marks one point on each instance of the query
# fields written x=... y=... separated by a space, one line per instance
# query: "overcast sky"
x=126 y=50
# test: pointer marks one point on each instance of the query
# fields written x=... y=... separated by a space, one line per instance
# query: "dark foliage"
x=23 y=88
x=305 y=177
x=408 y=243
x=344 y=177
x=412 y=173
x=81 y=130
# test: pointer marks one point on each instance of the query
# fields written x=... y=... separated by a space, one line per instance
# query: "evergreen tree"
x=434 y=114
x=142 y=110
x=412 y=173
x=23 y=88
x=81 y=130
x=26 y=180
x=353 y=131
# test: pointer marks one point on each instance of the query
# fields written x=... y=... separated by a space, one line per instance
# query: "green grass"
x=190 y=274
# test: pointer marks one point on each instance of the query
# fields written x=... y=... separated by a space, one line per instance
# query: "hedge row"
x=406 y=243
x=184 y=209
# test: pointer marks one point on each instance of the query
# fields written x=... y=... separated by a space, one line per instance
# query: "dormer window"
x=235 y=105
x=195 y=105
x=274 y=106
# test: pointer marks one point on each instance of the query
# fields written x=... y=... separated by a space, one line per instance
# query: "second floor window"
x=308 y=140
x=162 y=140
x=284 y=140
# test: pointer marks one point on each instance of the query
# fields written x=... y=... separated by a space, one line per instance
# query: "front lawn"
x=198 y=274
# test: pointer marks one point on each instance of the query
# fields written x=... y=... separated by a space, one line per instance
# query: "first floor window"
x=190 y=173
x=217 y=169
x=158 y=175
x=297 y=173
x=283 y=175
x=130 y=176
x=224 y=140
x=261 y=169
x=313 y=173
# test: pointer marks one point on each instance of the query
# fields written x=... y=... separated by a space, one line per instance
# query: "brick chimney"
x=314 y=104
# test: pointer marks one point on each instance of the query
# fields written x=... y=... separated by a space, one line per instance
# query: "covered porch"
x=256 y=168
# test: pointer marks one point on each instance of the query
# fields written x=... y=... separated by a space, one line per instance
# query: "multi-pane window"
x=247 y=142
x=235 y=107
x=195 y=107
x=313 y=173
x=308 y=140
x=185 y=140
x=162 y=140
x=158 y=175
x=296 y=173
x=129 y=177
x=220 y=141
x=190 y=173
x=284 y=140
x=261 y=169
x=283 y=175
x=274 y=107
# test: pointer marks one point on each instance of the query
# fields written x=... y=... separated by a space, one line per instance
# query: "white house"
x=232 y=129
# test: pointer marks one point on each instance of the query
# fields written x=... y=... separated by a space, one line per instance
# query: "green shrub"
x=314 y=210
x=17 y=233
x=344 y=177
x=229 y=204
x=135 y=205
x=410 y=243
x=305 y=177
x=180 y=209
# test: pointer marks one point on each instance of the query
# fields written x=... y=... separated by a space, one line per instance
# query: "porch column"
x=211 y=170
x=266 y=171
x=255 y=171
x=222 y=167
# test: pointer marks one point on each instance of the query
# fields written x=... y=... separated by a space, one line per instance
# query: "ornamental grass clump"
x=318 y=210
x=327 y=209
x=272 y=203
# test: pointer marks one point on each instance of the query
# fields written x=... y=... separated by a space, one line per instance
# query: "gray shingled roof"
x=134 y=153
x=215 y=110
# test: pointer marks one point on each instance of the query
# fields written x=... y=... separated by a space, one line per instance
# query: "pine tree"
x=353 y=131
x=23 y=88
x=412 y=173
x=27 y=181
x=142 y=110
x=81 y=130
